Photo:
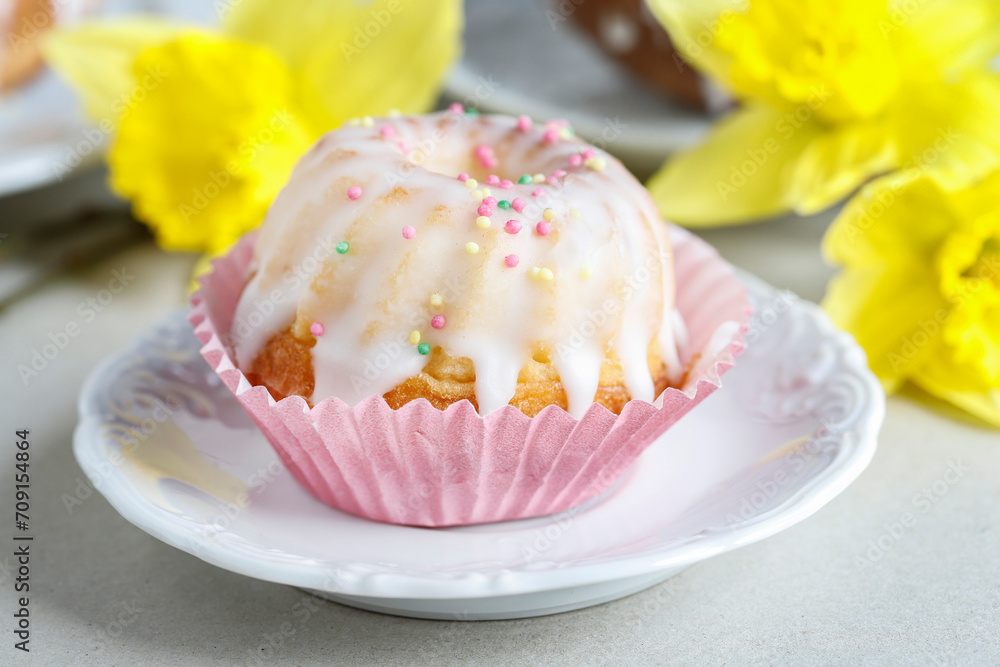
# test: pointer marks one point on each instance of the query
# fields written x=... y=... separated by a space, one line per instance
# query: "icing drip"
x=572 y=257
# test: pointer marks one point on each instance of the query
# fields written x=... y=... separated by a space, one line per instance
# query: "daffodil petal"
x=935 y=35
x=351 y=58
x=739 y=174
x=936 y=379
x=208 y=148
x=96 y=59
x=837 y=162
x=694 y=28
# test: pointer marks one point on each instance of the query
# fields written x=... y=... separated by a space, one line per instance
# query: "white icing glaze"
x=370 y=298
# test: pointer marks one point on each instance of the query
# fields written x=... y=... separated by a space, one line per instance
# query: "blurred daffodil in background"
x=920 y=289
x=207 y=124
x=831 y=93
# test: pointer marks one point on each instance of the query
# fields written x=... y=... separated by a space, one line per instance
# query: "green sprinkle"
x=343 y=247
x=472 y=112
x=524 y=179
x=504 y=204
x=424 y=348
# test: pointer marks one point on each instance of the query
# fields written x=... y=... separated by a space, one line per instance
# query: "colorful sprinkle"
x=550 y=136
x=471 y=183
x=523 y=123
x=367 y=121
x=517 y=204
x=477 y=193
x=504 y=204
x=483 y=222
x=588 y=153
x=424 y=349
x=472 y=247
x=437 y=321
x=534 y=272
x=455 y=107
x=575 y=160
x=484 y=210
x=485 y=155
x=539 y=192
x=596 y=163
x=354 y=192
x=506 y=185
x=409 y=232
x=512 y=226
x=586 y=271
x=489 y=201
x=436 y=299
x=343 y=247
x=463 y=177
x=387 y=131
x=543 y=228
x=487 y=192
x=472 y=112
x=545 y=274
x=511 y=260
x=525 y=179
x=538 y=178
x=492 y=179
x=414 y=336
x=316 y=328
x=559 y=173
x=548 y=214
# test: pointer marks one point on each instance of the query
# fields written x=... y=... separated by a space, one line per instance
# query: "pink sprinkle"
x=512 y=227
x=455 y=107
x=575 y=160
x=387 y=131
x=409 y=232
x=511 y=260
x=403 y=146
x=517 y=204
x=492 y=179
x=490 y=201
x=588 y=153
x=523 y=123
x=543 y=228
x=316 y=329
x=354 y=192
x=538 y=192
x=437 y=321
x=484 y=210
x=559 y=173
x=551 y=180
x=506 y=185
x=463 y=177
x=551 y=136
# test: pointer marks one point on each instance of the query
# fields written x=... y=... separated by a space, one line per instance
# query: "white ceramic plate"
x=794 y=423
x=517 y=60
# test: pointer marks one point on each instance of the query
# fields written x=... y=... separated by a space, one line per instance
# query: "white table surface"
x=104 y=592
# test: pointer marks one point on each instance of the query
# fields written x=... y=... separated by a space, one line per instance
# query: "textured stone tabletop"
x=850 y=585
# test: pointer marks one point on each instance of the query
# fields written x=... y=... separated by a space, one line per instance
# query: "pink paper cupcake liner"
x=426 y=467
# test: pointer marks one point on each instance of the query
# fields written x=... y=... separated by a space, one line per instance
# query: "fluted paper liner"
x=426 y=467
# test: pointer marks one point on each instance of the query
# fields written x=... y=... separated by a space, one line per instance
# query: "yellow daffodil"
x=920 y=287
x=831 y=93
x=208 y=124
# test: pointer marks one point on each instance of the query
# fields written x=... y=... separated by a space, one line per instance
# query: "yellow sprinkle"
x=471 y=183
x=483 y=222
x=545 y=274
x=575 y=212
x=471 y=247
x=417 y=157
x=596 y=163
x=534 y=271
x=353 y=122
x=478 y=194
x=436 y=299
x=395 y=113
x=367 y=121
x=538 y=178
x=548 y=214
x=414 y=336
x=487 y=192
x=565 y=133
x=586 y=271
